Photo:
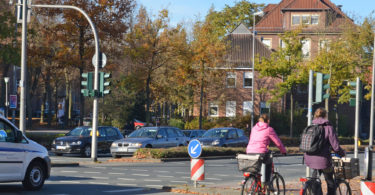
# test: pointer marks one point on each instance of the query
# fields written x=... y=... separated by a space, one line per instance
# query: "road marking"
x=165 y=176
x=155 y=186
x=100 y=177
x=126 y=184
x=69 y=171
x=213 y=179
x=143 y=175
x=128 y=190
x=70 y=182
x=181 y=172
x=139 y=170
x=122 y=169
x=152 y=180
x=162 y=171
x=180 y=163
x=179 y=181
x=185 y=177
x=215 y=165
x=99 y=167
x=116 y=173
x=97 y=183
x=126 y=179
x=202 y=182
x=221 y=175
x=91 y=172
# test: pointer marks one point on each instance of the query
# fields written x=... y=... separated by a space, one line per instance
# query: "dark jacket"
x=323 y=159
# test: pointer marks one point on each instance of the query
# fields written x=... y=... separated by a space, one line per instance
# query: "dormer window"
x=305 y=19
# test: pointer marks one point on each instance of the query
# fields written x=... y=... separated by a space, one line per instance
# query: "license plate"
x=61 y=147
x=123 y=149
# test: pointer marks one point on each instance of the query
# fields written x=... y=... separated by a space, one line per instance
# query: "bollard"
x=197 y=170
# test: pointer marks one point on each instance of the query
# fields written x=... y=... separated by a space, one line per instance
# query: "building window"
x=296 y=20
x=324 y=44
x=315 y=19
x=267 y=42
x=265 y=108
x=282 y=44
x=231 y=79
x=305 y=19
x=306 y=48
x=247 y=107
x=214 y=110
x=247 y=79
x=231 y=109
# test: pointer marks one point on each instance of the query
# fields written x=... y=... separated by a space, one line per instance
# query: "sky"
x=189 y=10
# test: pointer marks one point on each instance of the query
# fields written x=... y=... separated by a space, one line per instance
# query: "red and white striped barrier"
x=367 y=188
x=197 y=169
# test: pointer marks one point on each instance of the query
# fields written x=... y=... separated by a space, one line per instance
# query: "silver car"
x=149 y=137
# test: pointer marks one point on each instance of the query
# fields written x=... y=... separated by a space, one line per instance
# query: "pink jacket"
x=260 y=137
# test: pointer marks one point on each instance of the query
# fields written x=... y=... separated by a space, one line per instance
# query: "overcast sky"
x=189 y=10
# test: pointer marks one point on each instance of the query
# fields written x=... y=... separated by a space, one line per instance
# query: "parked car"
x=224 y=137
x=78 y=141
x=193 y=133
x=22 y=159
x=149 y=137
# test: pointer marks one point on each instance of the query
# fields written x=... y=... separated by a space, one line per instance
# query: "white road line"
x=156 y=180
x=99 y=167
x=97 y=183
x=162 y=171
x=213 y=179
x=165 y=176
x=215 y=165
x=91 y=172
x=179 y=181
x=139 y=170
x=70 y=182
x=126 y=179
x=100 y=177
x=155 y=186
x=126 y=184
x=116 y=173
x=206 y=182
x=181 y=172
x=221 y=175
x=122 y=169
x=68 y=171
x=128 y=190
x=143 y=175
x=185 y=177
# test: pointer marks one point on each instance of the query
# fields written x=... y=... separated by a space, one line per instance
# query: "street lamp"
x=6 y=79
x=252 y=80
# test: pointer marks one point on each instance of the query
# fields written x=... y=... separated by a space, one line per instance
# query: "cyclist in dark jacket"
x=322 y=161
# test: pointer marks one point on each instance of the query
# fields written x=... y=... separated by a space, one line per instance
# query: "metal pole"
x=6 y=79
x=22 y=124
x=96 y=77
x=309 y=109
x=14 y=93
x=252 y=80
x=357 y=110
x=371 y=138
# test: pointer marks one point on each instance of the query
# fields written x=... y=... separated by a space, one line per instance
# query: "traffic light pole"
x=357 y=112
x=22 y=124
x=96 y=77
x=309 y=109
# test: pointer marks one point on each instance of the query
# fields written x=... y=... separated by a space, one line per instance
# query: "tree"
x=287 y=65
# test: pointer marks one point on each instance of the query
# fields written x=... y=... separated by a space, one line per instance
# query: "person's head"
x=320 y=113
x=264 y=118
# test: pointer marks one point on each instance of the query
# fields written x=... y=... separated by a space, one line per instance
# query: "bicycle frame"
x=259 y=187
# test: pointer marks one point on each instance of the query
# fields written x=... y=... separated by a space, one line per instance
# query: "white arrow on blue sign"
x=194 y=148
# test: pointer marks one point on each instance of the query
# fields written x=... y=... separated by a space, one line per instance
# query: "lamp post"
x=253 y=65
x=6 y=80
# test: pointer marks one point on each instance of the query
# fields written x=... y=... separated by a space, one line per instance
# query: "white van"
x=22 y=159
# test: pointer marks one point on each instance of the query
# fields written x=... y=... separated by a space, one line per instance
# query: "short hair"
x=263 y=118
x=320 y=113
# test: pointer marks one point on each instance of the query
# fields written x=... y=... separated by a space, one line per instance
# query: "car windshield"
x=217 y=133
x=144 y=132
x=80 y=131
x=187 y=133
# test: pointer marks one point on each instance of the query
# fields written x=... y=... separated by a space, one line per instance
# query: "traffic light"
x=322 y=86
x=353 y=92
x=87 y=84
x=104 y=84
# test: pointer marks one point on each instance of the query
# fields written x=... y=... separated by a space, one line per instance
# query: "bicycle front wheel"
x=250 y=186
x=277 y=185
x=343 y=188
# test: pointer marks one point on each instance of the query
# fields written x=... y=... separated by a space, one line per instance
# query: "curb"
x=76 y=164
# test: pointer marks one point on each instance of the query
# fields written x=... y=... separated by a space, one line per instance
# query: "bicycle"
x=251 y=184
x=312 y=185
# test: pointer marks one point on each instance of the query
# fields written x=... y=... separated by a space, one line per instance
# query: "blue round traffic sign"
x=194 y=148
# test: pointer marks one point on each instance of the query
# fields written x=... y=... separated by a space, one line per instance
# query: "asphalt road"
x=146 y=178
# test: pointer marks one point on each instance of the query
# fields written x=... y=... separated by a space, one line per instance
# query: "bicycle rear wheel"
x=250 y=186
x=307 y=188
x=343 y=188
x=277 y=185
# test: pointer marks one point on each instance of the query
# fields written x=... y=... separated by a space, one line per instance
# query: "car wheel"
x=58 y=154
x=180 y=145
x=114 y=155
x=35 y=176
x=225 y=146
x=86 y=152
x=148 y=146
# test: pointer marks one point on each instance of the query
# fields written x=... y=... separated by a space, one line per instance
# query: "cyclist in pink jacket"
x=260 y=137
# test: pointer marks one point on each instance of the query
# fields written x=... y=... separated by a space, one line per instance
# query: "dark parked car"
x=149 y=137
x=194 y=133
x=224 y=137
x=78 y=141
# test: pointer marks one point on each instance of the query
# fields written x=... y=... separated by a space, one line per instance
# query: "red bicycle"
x=250 y=164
